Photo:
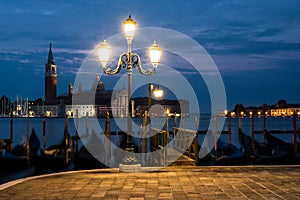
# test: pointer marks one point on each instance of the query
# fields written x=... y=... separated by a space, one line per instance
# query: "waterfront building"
x=285 y=111
x=281 y=108
x=120 y=104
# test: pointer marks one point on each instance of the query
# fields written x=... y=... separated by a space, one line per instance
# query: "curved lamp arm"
x=121 y=63
x=136 y=62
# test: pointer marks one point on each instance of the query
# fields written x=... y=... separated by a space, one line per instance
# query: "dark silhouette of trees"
x=238 y=108
x=282 y=103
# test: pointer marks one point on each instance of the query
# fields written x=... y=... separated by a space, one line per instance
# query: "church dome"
x=98 y=85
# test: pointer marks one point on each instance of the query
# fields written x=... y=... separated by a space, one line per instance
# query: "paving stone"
x=170 y=183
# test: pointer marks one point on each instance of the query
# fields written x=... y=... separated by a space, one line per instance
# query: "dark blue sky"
x=254 y=43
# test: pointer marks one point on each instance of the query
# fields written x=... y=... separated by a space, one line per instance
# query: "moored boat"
x=90 y=154
x=264 y=153
x=227 y=154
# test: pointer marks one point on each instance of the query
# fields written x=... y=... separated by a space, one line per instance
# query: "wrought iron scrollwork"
x=138 y=64
x=129 y=61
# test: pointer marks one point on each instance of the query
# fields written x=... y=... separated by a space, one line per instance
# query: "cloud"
x=71 y=51
x=239 y=47
x=65 y=70
x=237 y=64
x=75 y=60
x=24 y=61
x=49 y=12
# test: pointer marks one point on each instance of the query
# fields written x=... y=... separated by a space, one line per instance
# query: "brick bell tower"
x=50 y=77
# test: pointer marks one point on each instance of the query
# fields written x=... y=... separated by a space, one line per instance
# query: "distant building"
x=120 y=104
x=281 y=108
x=285 y=110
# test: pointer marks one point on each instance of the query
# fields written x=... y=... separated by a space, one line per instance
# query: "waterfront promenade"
x=246 y=182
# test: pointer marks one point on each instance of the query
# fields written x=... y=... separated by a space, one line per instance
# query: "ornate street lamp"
x=129 y=29
x=158 y=93
x=104 y=53
x=129 y=60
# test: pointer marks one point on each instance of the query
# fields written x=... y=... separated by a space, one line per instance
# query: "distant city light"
x=232 y=114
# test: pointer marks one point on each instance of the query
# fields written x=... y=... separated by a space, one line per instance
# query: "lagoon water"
x=55 y=127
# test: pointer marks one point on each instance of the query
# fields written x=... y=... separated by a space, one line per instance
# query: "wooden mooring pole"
x=215 y=135
x=44 y=134
x=175 y=119
x=141 y=133
x=11 y=131
x=229 y=129
x=27 y=140
x=180 y=121
x=240 y=123
x=265 y=127
x=196 y=141
x=145 y=160
x=87 y=124
x=252 y=135
x=295 y=144
x=165 y=140
x=66 y=134
x=76 y=134
x=107 y=139
x=145 y=133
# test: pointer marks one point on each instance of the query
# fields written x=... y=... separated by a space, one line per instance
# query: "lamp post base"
x=130 y=162
x=130 y=158
x=130 y=168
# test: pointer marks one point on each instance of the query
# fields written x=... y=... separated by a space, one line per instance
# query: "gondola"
x=56 y=157
x=278 y=143
x=17 y=158
x=89 y=155
x=14 y=160
x=227 y=154
x=264 y=153
x=284 y=146
x=34 y=147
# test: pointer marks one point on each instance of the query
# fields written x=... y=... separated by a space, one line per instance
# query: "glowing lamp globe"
x=155 y=54
x=158 y=93
x=129 y=28
x=104 y=53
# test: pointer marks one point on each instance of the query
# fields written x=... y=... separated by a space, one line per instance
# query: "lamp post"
x=129 y=60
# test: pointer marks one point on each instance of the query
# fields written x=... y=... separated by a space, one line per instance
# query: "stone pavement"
x=269 y=182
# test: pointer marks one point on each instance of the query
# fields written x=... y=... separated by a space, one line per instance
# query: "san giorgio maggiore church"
x=114 y=102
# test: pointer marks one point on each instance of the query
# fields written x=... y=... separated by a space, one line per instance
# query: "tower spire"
x=50 y=76
x=50 y=55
